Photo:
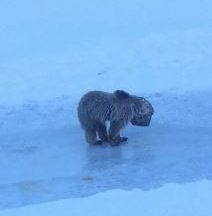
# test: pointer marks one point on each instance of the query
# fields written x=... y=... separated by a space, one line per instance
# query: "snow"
x=143 y=65
x=53 y=52
x=172 y=199
x=60 y=44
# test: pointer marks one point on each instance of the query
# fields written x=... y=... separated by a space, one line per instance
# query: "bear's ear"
x=142 y=99
x=120 y=94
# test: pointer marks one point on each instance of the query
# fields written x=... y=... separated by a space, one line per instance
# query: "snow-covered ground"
x=171 y=199
x=53 y=52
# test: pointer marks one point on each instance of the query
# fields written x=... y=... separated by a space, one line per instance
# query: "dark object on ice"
x=119 y=108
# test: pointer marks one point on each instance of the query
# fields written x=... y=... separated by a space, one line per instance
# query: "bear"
x=119 y=108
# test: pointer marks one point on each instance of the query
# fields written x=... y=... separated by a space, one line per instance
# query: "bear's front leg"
x=114 y=133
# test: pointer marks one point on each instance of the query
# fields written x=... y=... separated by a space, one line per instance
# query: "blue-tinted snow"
x=172 y=199
x=52 y=52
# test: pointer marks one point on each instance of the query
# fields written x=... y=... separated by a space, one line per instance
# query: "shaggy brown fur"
x=119 y=108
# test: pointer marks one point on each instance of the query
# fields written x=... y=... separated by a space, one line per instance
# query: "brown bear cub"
x=119 y=108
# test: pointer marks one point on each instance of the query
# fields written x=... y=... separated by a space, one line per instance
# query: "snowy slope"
x=53 y=52
x=154 y=63
x=49 y=49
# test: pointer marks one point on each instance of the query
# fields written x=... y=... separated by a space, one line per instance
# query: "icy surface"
x=42 y=160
